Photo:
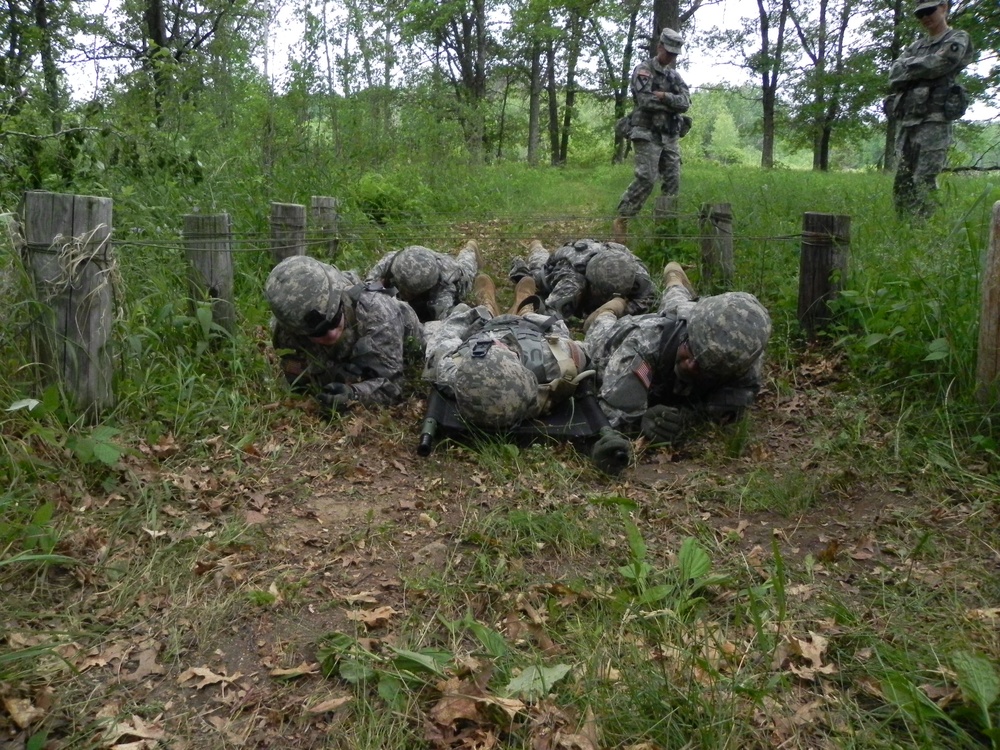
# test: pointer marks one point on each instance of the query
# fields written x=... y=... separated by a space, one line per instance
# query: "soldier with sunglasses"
x=694 y=359
x=925 y=98
x=341 y=340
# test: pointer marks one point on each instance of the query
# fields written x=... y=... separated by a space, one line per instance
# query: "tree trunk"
x=534 y=102
x=573 y=55
x=550 y=60
x=891 y=129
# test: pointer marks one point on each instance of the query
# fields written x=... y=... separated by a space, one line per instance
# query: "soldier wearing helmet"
x=581 y=276
x=695 y=359
x=502 y=369
x=655 y=126
x=342 y=341
x=431 y=282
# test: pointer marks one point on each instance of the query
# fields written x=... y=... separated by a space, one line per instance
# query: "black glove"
x=612 y=453
x=335 y=398
x=663 y=424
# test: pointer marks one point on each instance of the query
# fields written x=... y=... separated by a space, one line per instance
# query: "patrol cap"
x=923 y=4
x=671 y=40
x=414 y=271
x=727 y=333
x=305 y=295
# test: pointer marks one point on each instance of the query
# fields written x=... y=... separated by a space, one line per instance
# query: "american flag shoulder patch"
x=642 y=370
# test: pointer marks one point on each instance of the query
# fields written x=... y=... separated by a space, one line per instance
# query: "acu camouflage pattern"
x=480 y=386
x=656 y=129
x=565 y=278
x=727 y=333
x=635 y=357
x=381 y=335
x=432 y=283
x=300 y=284
x=923 y=94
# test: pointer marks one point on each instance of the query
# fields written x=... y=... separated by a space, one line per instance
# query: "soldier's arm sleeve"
x=377 y=356
x=625 y=381
x=381 y=269
x=445 y=298
x=643 y=297
x=642 y=89
x=948 y=60
x=678 y=98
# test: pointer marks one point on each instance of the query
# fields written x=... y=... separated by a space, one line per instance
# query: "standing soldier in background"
x=926 y=99
x=660 y=97
x=431 y=283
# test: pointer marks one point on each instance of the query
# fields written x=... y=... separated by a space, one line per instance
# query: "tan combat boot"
x=523 y=293
x=619 y=230
x=484 y=292
x=616 y=306
x=673 y=275
x=474 y=246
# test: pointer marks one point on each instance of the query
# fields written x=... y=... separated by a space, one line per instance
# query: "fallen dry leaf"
x=371 y=617
x=329 y=705
x=22 y=711
x=208 y=677
x=299 y=671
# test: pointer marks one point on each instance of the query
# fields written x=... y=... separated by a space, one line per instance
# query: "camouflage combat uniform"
x=655 y=134
x=920 y=82
x=561 y=278
x=380 y=334
x=455 y=275
x=635 y=358
x=542 y=344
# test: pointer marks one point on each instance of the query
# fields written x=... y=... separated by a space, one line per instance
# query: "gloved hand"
x=663 y=424
x=335 y=398
x=612 y=453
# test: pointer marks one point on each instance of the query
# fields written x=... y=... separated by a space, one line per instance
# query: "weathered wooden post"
x=210 y=265
x=826 y=242
x=323 y=214
x=988 y=366
x=68 y=247
x=715 y=222
x=288 y=231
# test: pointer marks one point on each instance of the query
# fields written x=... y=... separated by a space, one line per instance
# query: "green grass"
x=819 y=574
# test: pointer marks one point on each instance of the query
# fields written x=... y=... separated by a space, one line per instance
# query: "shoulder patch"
x=641 y=369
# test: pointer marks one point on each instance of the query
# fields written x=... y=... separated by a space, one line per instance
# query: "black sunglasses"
x=318 y=325
x=924 y=12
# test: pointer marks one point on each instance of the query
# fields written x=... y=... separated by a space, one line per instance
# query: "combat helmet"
x=495 y=391
x=610 y=273
x=306 y=296
x=672 y=41
x=414 y=271
x=727 y=333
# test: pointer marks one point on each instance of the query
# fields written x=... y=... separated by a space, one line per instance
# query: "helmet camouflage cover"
x=305 y=294
x=414 y=271
x=611 y=273
x=495 y=391
x=727 y=333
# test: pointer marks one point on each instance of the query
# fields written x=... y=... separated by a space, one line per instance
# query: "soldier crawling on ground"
x=696 y=359
x=340 y=340
x=581 y=276
x=431 y=282
x=505 y=369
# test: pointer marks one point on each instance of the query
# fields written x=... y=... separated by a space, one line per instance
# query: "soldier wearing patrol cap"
x=342 y=340
x=925 y=99
x=505 y=368
x=695 y=359
x=656 y=124
x=431 y=282
x=580 y=276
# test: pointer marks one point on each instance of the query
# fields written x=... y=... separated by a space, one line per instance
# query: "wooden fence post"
x=716 y=228
x=826 y=242
x=288 y=231
x=210 y=265
x=323 y=212
x=68 y=245
x=988 y=365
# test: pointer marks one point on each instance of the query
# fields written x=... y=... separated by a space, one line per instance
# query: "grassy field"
x=215 y=566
